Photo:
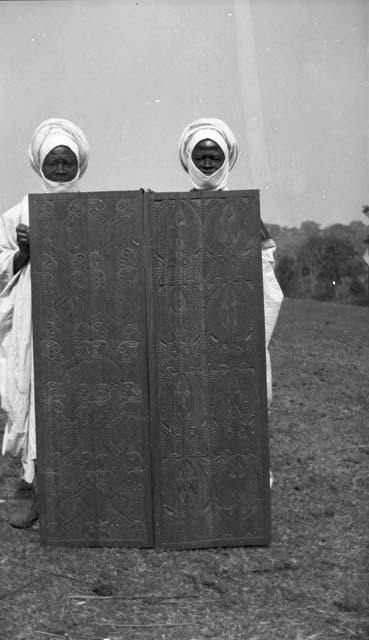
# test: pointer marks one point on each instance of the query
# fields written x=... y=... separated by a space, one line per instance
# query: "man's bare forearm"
x=19 y=260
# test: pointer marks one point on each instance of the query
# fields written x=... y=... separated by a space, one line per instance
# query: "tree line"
x=325 y=264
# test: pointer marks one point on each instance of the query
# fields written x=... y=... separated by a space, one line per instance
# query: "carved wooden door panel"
x=90 y=362
x=207 y=369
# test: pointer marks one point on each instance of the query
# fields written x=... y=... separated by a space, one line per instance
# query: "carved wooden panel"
x=92 y=413
x=207 y=369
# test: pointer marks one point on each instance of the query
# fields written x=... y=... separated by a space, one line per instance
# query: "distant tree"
x=323 y=263
x=286 y=274
x=309 y=227
x=274 y=229
x=288 y=241
x=339 y=229
x=358 y=227
x=337 y=257
x=309 y=263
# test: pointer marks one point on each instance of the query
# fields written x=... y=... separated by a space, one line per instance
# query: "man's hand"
x=23 y=239
x=22 y=256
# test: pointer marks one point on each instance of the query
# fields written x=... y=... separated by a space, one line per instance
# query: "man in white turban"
x=59 y=154
x=208 y=151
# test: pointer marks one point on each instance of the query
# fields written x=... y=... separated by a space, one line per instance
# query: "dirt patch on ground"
x=311 y=584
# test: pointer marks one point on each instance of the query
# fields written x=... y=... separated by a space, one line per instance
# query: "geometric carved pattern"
x=149 y=360
x=88 y=298
x=207 y=354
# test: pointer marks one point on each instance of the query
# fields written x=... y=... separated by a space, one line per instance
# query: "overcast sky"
x=289 y=76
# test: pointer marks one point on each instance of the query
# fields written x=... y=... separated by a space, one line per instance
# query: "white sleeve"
x=7 y=251
x=273 y=295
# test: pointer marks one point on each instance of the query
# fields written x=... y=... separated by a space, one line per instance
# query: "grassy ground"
x=312 y=583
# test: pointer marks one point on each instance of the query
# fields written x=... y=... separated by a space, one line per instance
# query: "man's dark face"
x=207 y=156
x=60 y=165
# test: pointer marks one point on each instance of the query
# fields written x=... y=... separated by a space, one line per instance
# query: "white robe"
x=273 y=298
x=16 y=353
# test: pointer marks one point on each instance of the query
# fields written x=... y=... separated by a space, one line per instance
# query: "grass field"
x=312 y=583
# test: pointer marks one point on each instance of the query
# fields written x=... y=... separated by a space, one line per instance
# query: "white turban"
x=208 y=129
x=53 y=133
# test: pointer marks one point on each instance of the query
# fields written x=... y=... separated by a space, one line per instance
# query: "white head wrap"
x=53 y=133
x=208 y=129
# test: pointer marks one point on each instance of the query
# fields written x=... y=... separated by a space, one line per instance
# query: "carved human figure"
x=59 y=154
